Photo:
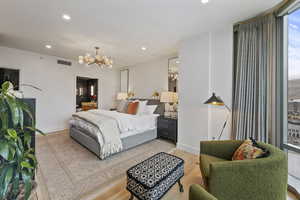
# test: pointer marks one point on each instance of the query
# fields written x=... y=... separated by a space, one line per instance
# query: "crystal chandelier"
x=101 y=60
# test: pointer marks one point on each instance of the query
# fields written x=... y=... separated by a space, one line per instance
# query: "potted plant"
x=17 y=159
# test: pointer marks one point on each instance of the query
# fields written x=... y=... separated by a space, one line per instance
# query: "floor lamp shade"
x=214 y=100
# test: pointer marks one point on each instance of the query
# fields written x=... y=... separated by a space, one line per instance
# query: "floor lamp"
x=217 y=101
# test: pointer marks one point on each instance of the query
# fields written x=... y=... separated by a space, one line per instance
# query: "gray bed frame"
x=91 y=142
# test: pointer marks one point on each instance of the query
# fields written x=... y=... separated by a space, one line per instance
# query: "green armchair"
x=257 y=179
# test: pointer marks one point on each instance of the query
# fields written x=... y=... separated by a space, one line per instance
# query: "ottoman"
x=152 y=178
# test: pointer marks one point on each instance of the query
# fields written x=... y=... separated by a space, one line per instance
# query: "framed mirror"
x=124 y=80
x=173 y=67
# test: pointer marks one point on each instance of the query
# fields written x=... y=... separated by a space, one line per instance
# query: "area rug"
x=68 y=171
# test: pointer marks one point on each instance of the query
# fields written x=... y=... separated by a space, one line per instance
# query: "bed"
x=133 y=130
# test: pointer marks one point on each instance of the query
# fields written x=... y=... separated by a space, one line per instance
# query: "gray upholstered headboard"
x=160 y=108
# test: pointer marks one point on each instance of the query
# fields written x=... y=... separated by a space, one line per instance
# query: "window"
x=291 y=137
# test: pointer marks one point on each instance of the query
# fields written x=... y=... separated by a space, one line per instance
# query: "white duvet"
x=126 y=122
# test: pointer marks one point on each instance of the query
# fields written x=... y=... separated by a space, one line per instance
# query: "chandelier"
x=100 y=60
x=173 y=76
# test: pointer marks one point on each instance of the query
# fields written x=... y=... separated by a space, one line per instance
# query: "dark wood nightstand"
x=167 y=128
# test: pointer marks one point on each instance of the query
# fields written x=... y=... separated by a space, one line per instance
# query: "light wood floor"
x=117 y=191
x=192 y=176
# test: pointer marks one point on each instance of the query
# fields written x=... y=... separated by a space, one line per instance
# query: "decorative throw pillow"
x=248 y=150
x=266 y=152
x=122 y=107
x=150 y=109
x=142 y=107
x=132 y=108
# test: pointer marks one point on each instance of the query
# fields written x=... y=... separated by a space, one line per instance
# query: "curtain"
x=255 y=69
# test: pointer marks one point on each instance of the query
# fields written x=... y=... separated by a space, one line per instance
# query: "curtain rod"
x=265 y=13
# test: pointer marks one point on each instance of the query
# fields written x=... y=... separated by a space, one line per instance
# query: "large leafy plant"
x=17 y=160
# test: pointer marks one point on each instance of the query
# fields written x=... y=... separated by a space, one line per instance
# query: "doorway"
x=86 y=93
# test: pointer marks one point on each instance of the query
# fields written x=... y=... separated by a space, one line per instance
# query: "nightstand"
x=167 y=128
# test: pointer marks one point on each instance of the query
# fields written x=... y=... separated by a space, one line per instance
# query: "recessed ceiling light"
x=48 y=46
x=205 y=1
x=144 y=48
x=66 y=17
x=177 y=61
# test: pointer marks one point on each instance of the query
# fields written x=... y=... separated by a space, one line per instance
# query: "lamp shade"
x=168 y=97
x=130 y=94
x=122 y=96
x=175 y=97
x=214 y=100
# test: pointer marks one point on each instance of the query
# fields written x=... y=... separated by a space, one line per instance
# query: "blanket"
x=108 y=135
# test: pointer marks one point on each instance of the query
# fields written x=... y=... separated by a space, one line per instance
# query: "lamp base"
x=170 y=115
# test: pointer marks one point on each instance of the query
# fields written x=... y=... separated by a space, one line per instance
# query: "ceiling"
x=119 y=27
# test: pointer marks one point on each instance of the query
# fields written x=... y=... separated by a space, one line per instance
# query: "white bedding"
x=108 y=134
x=132 y=133
x=126 y=123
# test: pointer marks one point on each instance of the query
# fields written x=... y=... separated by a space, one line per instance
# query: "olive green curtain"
x=255 y=69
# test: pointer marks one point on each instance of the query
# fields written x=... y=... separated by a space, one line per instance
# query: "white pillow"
x=122 y=106
x=142 y=108
x=151 y=109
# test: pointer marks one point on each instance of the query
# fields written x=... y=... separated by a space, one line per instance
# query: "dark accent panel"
x=12 y=75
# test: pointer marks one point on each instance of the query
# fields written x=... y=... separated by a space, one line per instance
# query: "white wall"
x=194 y=89
x=146 y=78
x=57 y=102
x=221 y=79
x=205 y=66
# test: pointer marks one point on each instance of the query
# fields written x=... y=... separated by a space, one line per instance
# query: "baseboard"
x=188 y=148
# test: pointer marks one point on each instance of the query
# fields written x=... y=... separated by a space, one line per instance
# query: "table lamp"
x=122 y=96
x=168 y=98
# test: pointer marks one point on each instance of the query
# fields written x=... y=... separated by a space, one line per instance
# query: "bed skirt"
x=129 y=142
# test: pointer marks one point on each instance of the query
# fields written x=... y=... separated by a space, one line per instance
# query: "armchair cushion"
x=248 y=151
x=206 y=161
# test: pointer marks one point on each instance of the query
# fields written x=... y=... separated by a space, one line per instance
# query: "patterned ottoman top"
x=155 y=169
